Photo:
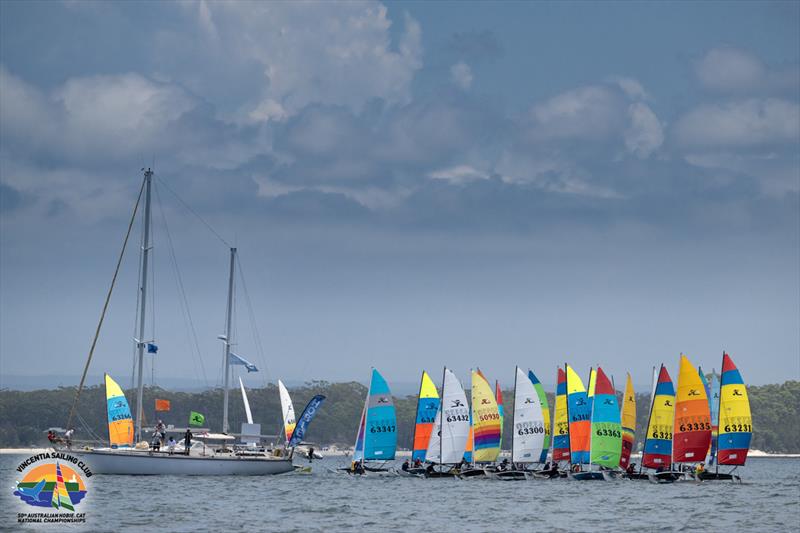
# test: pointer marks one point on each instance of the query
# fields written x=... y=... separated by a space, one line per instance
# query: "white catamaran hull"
x=132 y=462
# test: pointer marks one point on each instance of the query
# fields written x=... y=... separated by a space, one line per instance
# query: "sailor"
x=68 y=437
x=51 y=437
x=171 y=445
x=699 y=469
x=631 y=468
x=156 y=442
x=405 y=466
x=417 y=463
x=187 y=441
x=161 y=429
x=504 y=465
x=310 y=454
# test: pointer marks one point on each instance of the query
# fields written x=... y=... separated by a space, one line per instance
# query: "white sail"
x=246 y=403
x=287 y=409
x=449 y=436
x=528 y=424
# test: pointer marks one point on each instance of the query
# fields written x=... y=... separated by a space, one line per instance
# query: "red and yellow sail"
x=628 y=422
x=692 y=428
x=735 y=420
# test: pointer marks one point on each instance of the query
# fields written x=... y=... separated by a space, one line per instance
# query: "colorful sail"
x=692 y=429
x=470 y=441
x=485 y=421
x=60 y=498
x=713 y=401
x=120 y=422
x=527 y=440
x=449 y=434
x=287 y=409
x=499 y=398
x=545 y=414
x=606 y=439
x=628 y=418
x=735 y=420
x=590 y=388
x=580 y=425
x=427 y=406
x=658 y=440
x=561 y=420
x=380 y=427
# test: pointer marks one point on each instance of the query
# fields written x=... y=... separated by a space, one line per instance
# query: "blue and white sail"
x=377 y=431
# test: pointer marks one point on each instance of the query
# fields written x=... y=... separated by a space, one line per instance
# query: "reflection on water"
x=324 y=501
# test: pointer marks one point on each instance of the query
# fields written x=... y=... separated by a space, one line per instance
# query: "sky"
x=409 y=185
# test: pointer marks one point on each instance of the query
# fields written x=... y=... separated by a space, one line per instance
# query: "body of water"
x=767 y=500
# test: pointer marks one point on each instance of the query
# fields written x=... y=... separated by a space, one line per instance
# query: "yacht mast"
x=140 y=343
x=228 y=340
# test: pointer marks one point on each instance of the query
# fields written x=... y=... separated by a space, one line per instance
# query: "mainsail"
x=527 y=440
x=692 y=428
x=120 y=422
x=658 y=439
x=248 y=414
x=735 y=421
x=287 y=409
x=427 y=405
x=579 y=414
x=545 y=414
x=628 y=422
x=380 y=430
x=486 y=425
x=561 y=419
x=606 y=438
x=449 y=434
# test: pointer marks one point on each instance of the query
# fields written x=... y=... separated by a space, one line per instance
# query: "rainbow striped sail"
x=692 y=429
x=578 y=411
x=561 y=419
x=658 y=439
x=61 y=499
x=427 y=406
x=545 y=414
x=485 y=420
x=735 y=422
x=606 y=438
x=120 y=422
x=377 y=434
x=628 y=419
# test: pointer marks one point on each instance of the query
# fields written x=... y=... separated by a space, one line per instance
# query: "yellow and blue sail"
x=545 y=413
x=579 y=413
x=380 y=425
x=561 y=420
x=606 y=439
x=735 y=419
x=120 y=421
x=427 y=407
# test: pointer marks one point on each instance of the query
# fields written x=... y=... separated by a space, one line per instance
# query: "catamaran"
x=486 y=427
x=376 y=441
x=529 y=428
x=735 y=422
x=605 y=436
x=121 y=456
x=451 y=428
x=427 y=406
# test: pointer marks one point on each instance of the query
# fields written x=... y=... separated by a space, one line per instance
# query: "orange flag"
x=162 y=405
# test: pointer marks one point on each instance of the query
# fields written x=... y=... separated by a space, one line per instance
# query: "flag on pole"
x=196 y=419
x=162 y=405
x=239 y=360
x=152 y=348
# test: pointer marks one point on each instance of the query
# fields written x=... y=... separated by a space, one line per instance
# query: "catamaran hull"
x=511 y=475
x=146 y=464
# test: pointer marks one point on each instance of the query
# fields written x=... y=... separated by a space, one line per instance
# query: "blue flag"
x=305 y=419
x=152 y=348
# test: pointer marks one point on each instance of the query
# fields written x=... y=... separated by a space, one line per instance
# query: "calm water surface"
x=768 y=500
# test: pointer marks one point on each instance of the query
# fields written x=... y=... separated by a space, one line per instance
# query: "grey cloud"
x=731 y=70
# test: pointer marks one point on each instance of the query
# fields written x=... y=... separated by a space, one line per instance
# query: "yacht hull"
x=143 y=463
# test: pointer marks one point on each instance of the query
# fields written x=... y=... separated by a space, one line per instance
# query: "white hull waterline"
x=133 y=462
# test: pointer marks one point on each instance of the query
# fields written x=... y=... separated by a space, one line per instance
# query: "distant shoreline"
x=404 y=453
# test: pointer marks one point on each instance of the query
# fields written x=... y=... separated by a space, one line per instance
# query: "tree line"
x=25 y=416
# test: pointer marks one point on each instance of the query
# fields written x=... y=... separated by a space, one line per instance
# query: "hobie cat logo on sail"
x=57 y=485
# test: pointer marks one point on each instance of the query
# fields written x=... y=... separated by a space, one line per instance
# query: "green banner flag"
x=196 y=419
